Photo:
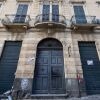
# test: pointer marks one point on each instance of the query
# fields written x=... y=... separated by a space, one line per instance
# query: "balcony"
x=50 y=21
x=77 y=1
x=83 y=22
x=16 y=21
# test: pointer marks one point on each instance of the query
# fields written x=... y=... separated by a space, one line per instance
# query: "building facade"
x=50 y=47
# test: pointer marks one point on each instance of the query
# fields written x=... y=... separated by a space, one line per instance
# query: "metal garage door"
x=8 y=64
x=91 y=67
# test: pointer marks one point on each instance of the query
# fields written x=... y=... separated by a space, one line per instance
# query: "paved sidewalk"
x=93 y=97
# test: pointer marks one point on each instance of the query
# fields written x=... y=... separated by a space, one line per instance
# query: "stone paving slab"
x=93 y=97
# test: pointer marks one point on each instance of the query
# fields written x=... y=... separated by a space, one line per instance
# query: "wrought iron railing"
x=83 y=20
x=11 y=19
x=50 y=18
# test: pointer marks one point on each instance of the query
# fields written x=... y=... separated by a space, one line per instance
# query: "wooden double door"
x=49 y=71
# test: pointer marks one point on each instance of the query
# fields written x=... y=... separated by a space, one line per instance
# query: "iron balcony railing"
x=83 y=20
x=50 y=18
x=16 y=19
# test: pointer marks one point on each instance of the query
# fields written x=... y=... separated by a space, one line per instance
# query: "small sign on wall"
x=89 y=62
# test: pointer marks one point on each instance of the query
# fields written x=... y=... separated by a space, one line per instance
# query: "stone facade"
x=68 y=37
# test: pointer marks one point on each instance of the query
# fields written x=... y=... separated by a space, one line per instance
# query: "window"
x=50 y=12
x=21 y=13
x=79 y=14
x=46 y=12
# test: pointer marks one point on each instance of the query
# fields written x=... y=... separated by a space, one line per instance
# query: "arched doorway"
x=49 y=69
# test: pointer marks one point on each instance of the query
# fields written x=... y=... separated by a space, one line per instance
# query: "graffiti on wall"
x=24 y=84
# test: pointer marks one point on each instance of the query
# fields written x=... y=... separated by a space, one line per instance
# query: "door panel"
x=57 y=73
x=80 y=14
x=41 y=72
x=91 y=66
x=8 y=65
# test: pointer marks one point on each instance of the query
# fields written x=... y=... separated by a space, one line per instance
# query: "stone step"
x=43 y=99
x=91 y=97
x=48 y=97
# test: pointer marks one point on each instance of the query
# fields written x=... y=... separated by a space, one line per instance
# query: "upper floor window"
x=55 y=13
x=22 y=9
x=50 y=12
x=79 y=14
x=45 y=12
x=21 y=13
